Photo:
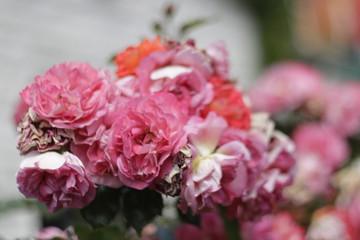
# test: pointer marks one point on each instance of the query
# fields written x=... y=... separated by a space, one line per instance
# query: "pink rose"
x=257 y=147
x=49 y=233
x=183 y=71
x=274 y=227
x=58 y=180
x=215 y=175
x=102 y=170
x=145 y=138
x=69 y=95
x=285 y=86
x=323 y=142
x=270 y=168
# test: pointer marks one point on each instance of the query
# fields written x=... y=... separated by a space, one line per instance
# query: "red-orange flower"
x=128 y=60
x=228 y=103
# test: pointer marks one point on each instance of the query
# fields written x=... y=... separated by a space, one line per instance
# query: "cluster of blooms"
x=280 y=226
x=330 y=114
x=322 y=117
x=170 y=121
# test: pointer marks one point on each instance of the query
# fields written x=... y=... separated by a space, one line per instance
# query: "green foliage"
x=137 y=207
x=141 y=207
x=190 y=25
x=101 y=211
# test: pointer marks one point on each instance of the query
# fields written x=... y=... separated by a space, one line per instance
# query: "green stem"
x=231 y=226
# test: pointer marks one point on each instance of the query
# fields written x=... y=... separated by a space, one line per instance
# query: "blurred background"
x=36 y=34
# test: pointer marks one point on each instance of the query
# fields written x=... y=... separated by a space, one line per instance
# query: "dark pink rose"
x=58 y=180
x=70 y=95
x=145 y=138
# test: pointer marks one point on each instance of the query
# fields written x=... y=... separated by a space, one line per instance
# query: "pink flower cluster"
x=280 y=226
x=293 y=86
x=323 y=115
x=171 y=121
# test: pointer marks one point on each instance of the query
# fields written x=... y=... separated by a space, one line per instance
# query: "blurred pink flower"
x=50 y=233
x=216 y=175
x=274 y=227
x=312 y=179
x=219 y=57
x=58 y=180
x=145 y=138
x=342 y=108
x=285 y=86
x=323 y=142
x=332 y=223
x=69 y=95
x=211 y=228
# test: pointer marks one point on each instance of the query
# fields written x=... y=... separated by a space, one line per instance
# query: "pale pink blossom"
x=216 y=175
x=274 y=227
x=323 y=142
x=50 y=233
x=145 y=138
x=285 y=86
x=70 y=95
x=58 y=180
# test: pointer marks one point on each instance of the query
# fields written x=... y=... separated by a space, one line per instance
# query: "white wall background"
x=36 y=34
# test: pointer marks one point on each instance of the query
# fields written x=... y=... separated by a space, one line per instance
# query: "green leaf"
x=186 y=27
x=140 y=207
x=102 y=210
x=158 y=28
x=112 y=58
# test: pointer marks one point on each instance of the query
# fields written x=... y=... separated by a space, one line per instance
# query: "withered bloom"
x=171 y=185
x=38 y=134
